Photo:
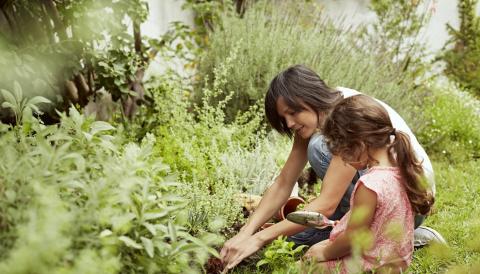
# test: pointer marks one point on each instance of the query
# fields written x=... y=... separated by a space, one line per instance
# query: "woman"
x=296 y=104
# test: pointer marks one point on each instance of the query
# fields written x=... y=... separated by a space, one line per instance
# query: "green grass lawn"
x=456 y=217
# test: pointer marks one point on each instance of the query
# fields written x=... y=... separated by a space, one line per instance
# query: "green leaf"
x=129 y=242
x=8 y=105
x=150 y=228
x=17 y=91
x=155 y=215
x=8 y=96
x=172 y=231
x=88 y=136
x=118 y=222
x=38 y=100
x=199 y=243
x=298 y=249
x=261 y=262
x=105 y=233
x=99 y=126
x=148 y=245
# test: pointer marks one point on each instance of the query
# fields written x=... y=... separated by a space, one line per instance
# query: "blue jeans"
x=319 y=157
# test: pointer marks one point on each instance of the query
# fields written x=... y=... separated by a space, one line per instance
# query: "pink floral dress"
x=392 y=226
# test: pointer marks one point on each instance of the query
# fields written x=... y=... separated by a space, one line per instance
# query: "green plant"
x=196 y=141
x=271 y=37
x=208 y=12
x=463 y=56
x=23 y=108
x=396 y=33
x=68 y=50
x=77 y=198
x=455 y=218
x=451 y=127
x=280 y=255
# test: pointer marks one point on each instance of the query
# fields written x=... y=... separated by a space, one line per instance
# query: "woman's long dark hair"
x=359 y=123
x=298 y=84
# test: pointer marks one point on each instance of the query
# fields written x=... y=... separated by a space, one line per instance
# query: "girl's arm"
x=363 y=211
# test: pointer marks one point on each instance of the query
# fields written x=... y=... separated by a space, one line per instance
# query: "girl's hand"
x=238 y=248
x=317 y=251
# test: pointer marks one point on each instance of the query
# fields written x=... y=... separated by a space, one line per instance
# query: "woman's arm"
x=334 y=185
x=277 y=194
x=244 y=244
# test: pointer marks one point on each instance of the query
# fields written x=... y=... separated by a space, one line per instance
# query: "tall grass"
x=273 y=35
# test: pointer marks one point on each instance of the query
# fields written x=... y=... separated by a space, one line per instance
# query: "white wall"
x=435 y=34
x=162 y=13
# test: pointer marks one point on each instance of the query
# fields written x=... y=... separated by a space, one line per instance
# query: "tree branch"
x=51 y=9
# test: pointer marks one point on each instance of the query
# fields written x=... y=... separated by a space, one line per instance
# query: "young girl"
x=296 y=104
x=384 y=199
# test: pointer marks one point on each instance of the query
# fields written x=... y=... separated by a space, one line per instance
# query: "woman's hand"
x=317 y=251
x=238 y=248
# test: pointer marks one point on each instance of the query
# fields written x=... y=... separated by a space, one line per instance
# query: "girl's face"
x=303 y=123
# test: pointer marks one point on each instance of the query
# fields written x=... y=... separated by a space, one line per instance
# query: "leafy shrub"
x=214 y=158
x=274 y=35
x=280 y=256
x=452 y=128
x=463 y=57
x=76 y=199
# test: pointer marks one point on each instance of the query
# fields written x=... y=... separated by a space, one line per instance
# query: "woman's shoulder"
x=347 y=92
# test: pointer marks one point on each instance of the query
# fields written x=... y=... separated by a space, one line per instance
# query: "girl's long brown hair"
x=360 y=123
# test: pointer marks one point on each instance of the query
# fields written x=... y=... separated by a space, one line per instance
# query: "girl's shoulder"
x=378 y=178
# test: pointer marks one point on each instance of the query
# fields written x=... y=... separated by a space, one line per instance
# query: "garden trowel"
x=310 y=218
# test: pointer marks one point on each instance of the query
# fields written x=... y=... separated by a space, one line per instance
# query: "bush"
x=274 y=35
x=76 y=199
x=462 y=58
x=214 y=158
x=452 y=125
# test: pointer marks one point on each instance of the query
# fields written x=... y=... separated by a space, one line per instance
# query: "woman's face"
x=303 y=123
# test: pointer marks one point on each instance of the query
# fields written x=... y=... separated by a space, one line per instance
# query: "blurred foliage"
x=208 y=13
x=463 y=55
x=68 y=51
x=396 y=33
x=77 y=198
